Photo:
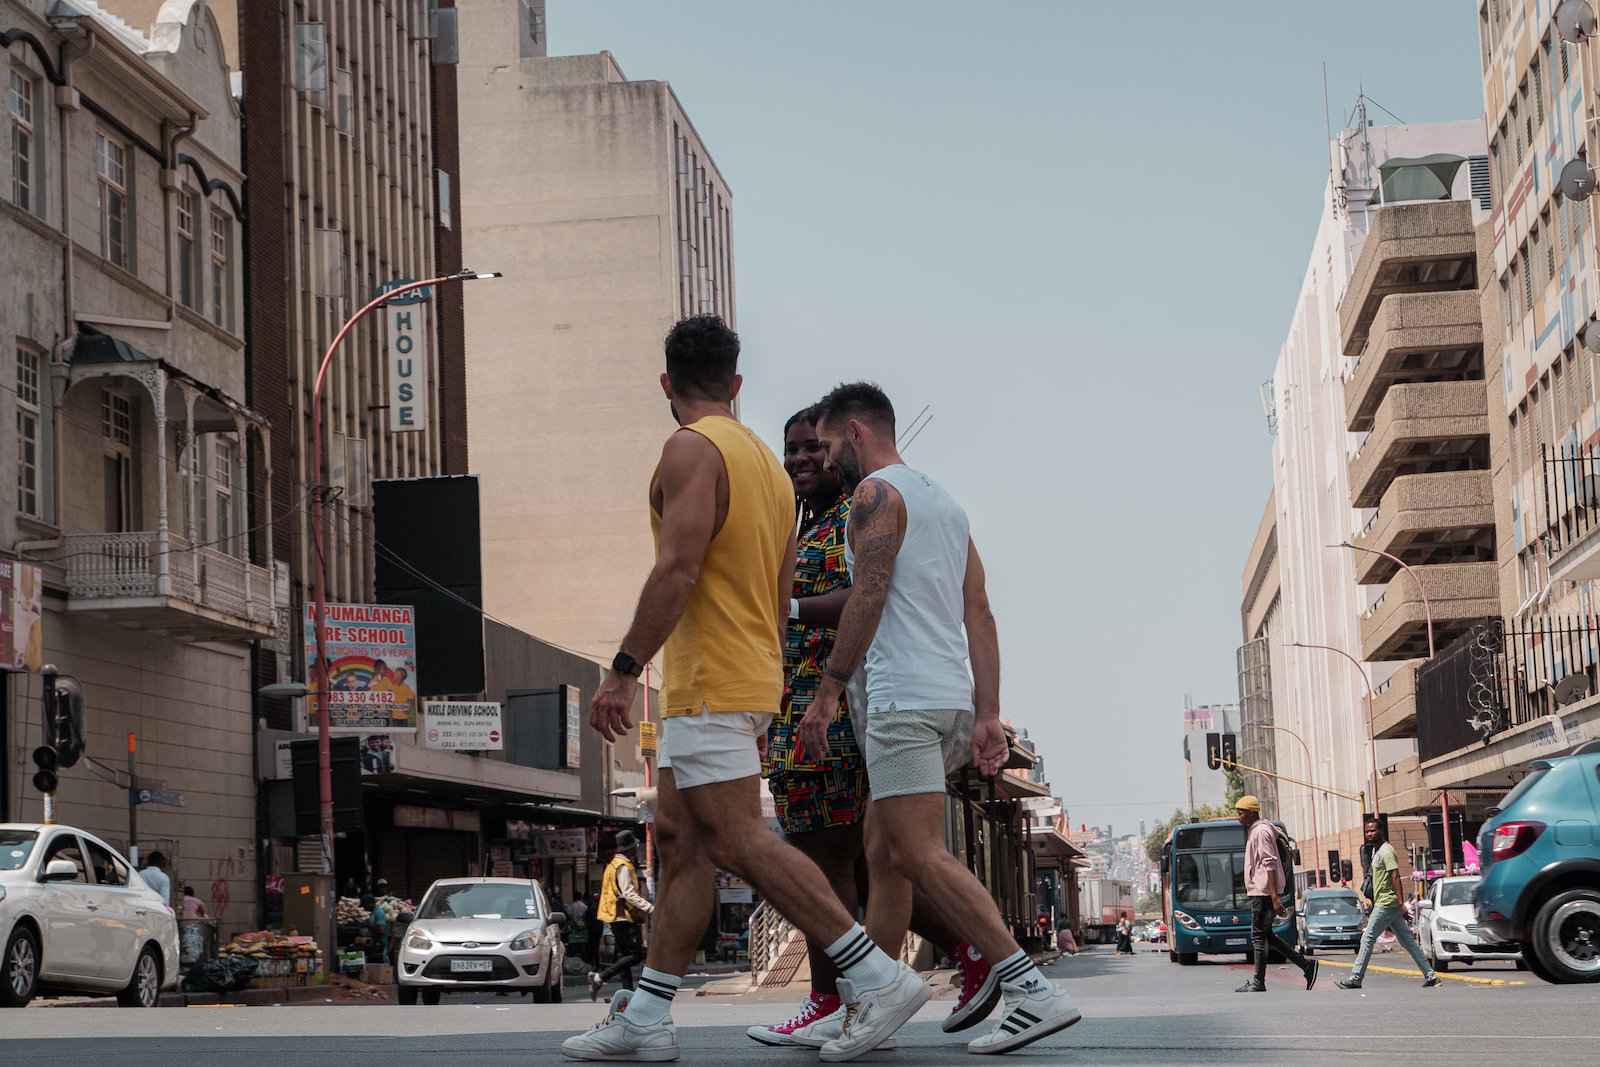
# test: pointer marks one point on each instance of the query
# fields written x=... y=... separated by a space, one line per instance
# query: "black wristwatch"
x=627 y=665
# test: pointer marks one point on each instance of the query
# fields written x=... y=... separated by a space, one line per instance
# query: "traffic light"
x=1214 y=751
x=44 y=779
x=1333 y=861
x=1230 y=749
x=1347 y=870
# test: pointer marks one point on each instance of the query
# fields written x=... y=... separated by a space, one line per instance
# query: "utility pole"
x=133 y=800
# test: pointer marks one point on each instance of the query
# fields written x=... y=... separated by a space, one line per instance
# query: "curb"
x=1405 y=973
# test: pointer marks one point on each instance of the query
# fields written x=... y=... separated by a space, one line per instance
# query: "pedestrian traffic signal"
x=1333 y=861
x=1214 y=751
x=63 y=717
x=44 y=779
x=1347 y=871
x=1230 y=749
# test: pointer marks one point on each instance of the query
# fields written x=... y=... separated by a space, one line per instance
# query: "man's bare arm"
x=690 y=468
x=983 y=638
x=825 y=609
x=876 y=531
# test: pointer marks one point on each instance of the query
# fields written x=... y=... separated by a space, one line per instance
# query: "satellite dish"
x=1575 y=21
x=1572 y=687
x=1591 y=336
x=1576 y=181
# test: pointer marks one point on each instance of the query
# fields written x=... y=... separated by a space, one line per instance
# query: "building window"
x=111 y=164
x=227 y=456
x=24 y=173
x=187 y=267
x=221 y=278
x=28 y=437
x=116 y=427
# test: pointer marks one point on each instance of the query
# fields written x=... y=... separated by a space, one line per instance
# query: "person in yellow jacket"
x=625 y=908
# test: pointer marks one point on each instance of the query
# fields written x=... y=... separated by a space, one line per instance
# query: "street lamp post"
x=1372 y=744
x=1427 y=607
x=319 y=567
x=1311 y=772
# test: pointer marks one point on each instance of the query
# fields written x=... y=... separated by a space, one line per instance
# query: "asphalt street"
x=1139 y=1010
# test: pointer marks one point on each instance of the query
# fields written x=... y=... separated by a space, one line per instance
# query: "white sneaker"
x=826 y=1029
x=872 y=1015
x=616 y=1039
x=1029 y=1015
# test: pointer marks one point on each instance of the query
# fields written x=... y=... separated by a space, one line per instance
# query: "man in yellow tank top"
x=715 y=605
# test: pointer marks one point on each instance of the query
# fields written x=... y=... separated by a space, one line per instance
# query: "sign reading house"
x=408 y=362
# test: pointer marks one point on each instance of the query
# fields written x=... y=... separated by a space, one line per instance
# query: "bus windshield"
x=1211 y=881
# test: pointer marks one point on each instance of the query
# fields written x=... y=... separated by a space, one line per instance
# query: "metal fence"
x=1498 y=676
x=1571 y=493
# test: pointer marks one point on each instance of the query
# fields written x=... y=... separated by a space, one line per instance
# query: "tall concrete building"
x=1380 y=441
x=1524 y=686
x=1260 y=614
x=597 y=198
x=127 y=558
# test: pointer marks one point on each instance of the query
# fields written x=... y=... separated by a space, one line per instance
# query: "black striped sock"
x=857 y=946
x=658 y=983
x=1014 y=967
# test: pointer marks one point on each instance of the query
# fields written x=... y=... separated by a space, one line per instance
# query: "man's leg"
x=1402 y=934
x=688 y=880
x=1286 y=950
x=889 y=892
x=625 y=939
x=1369 y=940
x=834 y=850
x=1260 y=935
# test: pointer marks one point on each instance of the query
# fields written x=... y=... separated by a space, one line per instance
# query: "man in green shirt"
x=1386 y=911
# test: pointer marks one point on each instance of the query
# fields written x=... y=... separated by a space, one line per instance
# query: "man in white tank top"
x=918 y=619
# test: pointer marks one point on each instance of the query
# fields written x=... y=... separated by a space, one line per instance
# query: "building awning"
x=1053 y=849
x=472 y=779
x=1423 y=178
x=90 y=346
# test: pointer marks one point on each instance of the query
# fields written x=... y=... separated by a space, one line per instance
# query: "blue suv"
x=1540 y=855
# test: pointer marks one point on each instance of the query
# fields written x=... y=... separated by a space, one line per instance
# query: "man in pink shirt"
x=1264 y=882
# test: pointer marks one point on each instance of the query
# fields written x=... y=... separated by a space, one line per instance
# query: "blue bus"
x=1202 y=889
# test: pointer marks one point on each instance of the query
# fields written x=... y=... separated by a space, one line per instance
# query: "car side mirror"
x=1426 y=905
x=406 y=918
x=557 y=918
x=60 y=871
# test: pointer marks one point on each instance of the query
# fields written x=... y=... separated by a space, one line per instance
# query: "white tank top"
x=918 y=660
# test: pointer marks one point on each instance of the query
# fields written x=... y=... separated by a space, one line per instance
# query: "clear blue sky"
x=1077 y=230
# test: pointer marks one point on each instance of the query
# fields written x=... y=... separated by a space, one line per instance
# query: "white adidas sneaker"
x=615 y=1039
x=873 y=1015
x=1030 y=1014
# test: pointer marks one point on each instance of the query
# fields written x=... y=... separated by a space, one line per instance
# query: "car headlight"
x=419 y=943
x=1449 y=927
x=1186 y=919
x=525 y=941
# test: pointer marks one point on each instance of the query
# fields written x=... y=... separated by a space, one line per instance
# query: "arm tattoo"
x=842 y=677
x=875 y=534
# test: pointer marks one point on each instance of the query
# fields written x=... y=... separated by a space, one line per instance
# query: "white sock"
x=1018 y=969
x=651 y=1002
x=861 y=960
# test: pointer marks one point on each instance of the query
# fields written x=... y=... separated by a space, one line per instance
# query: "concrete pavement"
x=1139 y=1010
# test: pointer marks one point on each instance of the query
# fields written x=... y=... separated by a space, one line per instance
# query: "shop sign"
x=736 y=896
x=21 y=617
x=377 y=756
x=561 y=844
x=574 y=700
x=518 y=830
x=417 y=817
x=647 y=739
x=408 y=366
x=463 y=726
x=372 y=665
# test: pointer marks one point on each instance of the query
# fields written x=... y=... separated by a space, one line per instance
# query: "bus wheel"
x=1188 y=959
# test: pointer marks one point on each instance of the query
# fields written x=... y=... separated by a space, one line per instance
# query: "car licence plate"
x=1238 y=941
x=471 y=966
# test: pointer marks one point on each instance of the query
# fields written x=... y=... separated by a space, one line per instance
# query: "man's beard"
x=849 y=467
x=675 y=416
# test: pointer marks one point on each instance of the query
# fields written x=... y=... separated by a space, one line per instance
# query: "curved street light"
x=1372 y=744
x=319 y=577
x=1427 y=607
x=1311 y=770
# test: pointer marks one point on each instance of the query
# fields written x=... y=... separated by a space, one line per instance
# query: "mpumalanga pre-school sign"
x=372 y=666
x=407 y=316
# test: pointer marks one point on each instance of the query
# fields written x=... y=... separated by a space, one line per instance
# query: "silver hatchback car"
x=470 y=934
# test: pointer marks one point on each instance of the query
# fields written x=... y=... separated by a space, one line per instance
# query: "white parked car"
x=1448 y=929
x=76 y=918
x=470 y=934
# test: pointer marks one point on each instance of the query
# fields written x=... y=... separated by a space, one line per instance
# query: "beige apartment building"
x=1261 y=618
x=123 y=355
x=599 y=201
x=1525 y=685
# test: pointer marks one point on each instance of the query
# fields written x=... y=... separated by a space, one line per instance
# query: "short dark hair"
x=156 y=859
x=857 y=400
x=703 y=357
x=807 y=415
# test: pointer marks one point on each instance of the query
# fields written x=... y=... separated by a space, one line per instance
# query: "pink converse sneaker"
x=980 y=991
x=797 y=1032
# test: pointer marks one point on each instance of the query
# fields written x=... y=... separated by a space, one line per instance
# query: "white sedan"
x=473 y=934
x=75 y=918
x=1448 y=929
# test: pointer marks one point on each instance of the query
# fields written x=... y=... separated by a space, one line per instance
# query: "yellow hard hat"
x=1247 y=803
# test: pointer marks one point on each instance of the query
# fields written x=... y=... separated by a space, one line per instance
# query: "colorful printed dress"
x=810 y=795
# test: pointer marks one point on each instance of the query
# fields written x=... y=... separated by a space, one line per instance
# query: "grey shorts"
x=913 y=751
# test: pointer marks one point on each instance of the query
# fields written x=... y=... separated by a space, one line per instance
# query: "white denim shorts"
x=910 y=751
x=711 y=746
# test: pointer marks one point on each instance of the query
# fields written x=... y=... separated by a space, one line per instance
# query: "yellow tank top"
x=613 y=908
x=724 y=653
